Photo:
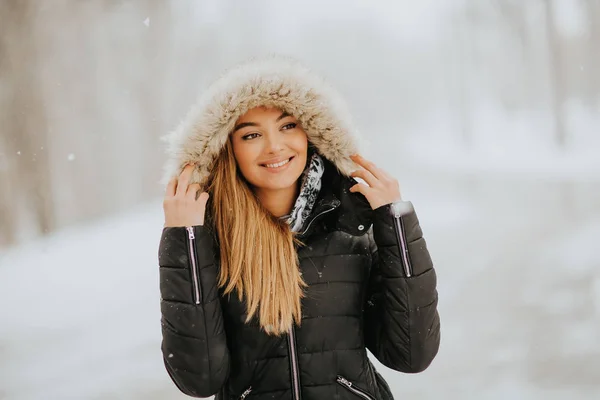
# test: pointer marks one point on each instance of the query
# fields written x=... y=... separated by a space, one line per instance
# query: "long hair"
x=258 y=257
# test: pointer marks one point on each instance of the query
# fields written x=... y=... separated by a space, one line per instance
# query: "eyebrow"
x=282 y=116
x=245 y=124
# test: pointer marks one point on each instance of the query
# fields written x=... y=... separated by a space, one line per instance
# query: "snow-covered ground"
x=519 y=283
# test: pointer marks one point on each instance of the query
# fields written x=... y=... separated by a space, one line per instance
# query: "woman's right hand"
x=180 y=204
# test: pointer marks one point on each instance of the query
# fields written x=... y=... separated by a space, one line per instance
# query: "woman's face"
x=270 y=148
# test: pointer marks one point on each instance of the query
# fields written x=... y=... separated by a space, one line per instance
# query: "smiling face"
x=270 y=148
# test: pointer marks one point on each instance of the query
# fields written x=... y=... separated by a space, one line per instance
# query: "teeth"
x=279 y=164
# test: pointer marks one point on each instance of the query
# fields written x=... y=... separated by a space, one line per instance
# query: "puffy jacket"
x=371 y=285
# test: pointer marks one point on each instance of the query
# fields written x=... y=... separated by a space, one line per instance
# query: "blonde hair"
x=258 y=255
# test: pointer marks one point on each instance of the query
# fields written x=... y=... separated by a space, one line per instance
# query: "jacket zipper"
x=192 y=248
x=292 y=333
x=348 y=385
x=316 y=216
x=401 y=236
x=294 y=364
x=246 y=393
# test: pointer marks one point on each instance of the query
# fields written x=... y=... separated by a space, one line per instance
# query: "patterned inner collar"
x=309 y=191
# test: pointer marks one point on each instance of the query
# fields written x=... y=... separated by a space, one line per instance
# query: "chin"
x=278 y=184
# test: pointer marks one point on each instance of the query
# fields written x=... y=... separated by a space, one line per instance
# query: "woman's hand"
x=381 y=189
x=180 y=204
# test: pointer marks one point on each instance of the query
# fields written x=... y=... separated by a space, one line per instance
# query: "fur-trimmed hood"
x=275 y=81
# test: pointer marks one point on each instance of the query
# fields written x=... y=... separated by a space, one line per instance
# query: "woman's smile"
x=278 y=166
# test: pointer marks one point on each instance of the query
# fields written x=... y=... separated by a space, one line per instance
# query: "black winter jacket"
x=371 y=285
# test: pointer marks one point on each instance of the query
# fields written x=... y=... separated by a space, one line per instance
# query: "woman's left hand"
x=381 y=189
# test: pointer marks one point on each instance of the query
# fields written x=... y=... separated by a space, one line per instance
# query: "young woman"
x=278 y=270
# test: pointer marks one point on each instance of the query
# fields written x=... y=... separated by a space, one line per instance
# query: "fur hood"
x=275 y=81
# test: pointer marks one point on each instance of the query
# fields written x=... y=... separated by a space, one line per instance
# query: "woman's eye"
x=250 y=136
x=291 y=125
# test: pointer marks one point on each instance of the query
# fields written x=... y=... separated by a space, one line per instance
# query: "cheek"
x=243 y=156
x=301 y=144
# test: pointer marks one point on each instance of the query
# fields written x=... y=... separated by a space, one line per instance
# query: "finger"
x=184 y=179
x=171 y=187
x=192 y=190
x=365 y=176
x=203 y=198
x=360 y=188
x=369 y=166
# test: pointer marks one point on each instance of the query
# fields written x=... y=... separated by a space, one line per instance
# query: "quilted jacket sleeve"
x=193 y=336
x=402 y=325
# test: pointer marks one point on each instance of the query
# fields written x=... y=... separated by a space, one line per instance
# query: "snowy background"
x=488 y=113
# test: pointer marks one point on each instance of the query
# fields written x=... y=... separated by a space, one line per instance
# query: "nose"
x=274 y=143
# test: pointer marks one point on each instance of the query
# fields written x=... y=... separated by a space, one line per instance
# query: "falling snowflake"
x=71 y=157
x=18 y=153
x=147 y=22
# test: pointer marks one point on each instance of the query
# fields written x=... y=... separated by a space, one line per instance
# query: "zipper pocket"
x=351 y=387
x=192 y=255
x=246 y=393
x=401 y=236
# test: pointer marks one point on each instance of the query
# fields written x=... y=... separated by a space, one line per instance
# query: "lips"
x=277 y=164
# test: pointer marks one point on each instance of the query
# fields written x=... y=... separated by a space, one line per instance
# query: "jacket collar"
x=351 y=212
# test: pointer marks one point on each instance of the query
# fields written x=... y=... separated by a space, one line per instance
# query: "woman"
x=278 y=269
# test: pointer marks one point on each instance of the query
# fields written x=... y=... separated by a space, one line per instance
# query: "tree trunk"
x=7 y=200
x=556 y=75
x=28 y=170
x=593 y=69
x=464 y=79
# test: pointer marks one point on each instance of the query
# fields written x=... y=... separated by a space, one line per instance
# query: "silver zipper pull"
x=246 y=393
x=190 y=230
x=344 y=381
x=357 y=391
x=401 y=208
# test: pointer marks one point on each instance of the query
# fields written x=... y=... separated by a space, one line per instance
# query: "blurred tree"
x=513 y=24
x=25 y=128
x=514 y=13
x=557 y=75
x=466 y=28
x=379 y=74
x=593 y=15
x=152 y=91
x=7 y=201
